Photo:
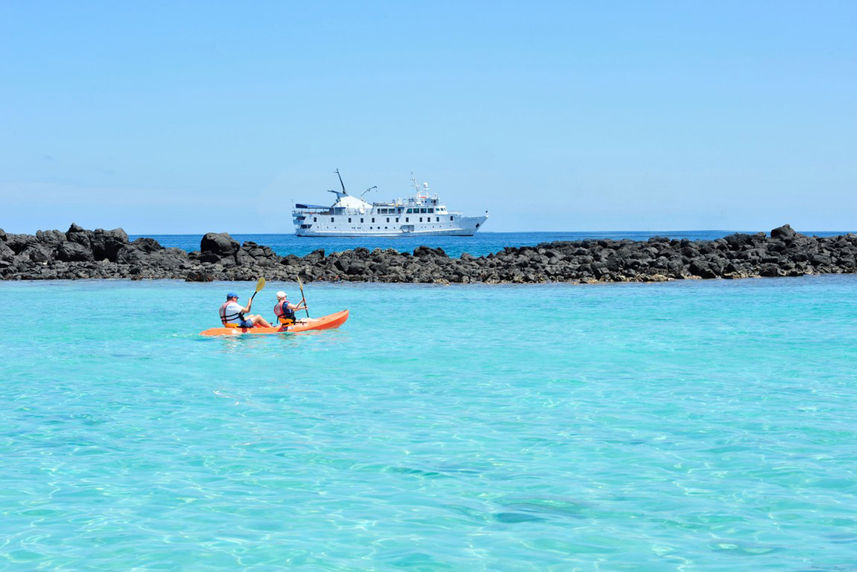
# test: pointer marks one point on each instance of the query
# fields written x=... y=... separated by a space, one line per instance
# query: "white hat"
x=281 y=294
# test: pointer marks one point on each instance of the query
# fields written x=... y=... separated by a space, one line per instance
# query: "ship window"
x=421 y=219
x=437 y=219
x=450 y=218
x=331 y=219
x=373 y=219
x=431 y=210
x=349 y=219
x=397 y=219
x=361 y=219
x=410 y=210
x=407 y=219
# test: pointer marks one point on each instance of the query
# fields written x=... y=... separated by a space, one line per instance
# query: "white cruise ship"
x=422 y=214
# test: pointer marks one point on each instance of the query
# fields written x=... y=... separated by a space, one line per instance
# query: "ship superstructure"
x=421 y=214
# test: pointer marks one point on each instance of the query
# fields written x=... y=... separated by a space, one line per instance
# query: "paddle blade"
x=259 y=285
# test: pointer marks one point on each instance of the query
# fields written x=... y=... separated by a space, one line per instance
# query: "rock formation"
x=79 y=253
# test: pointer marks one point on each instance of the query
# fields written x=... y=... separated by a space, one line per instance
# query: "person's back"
x=232 y=314
x=284 y=310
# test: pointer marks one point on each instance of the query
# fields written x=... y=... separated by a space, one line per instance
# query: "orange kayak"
x=324 y=323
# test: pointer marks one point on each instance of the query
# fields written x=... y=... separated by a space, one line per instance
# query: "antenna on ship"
x=367 y=190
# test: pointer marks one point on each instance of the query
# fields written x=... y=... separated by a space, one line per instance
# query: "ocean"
x=681 y=425
x=480 y=244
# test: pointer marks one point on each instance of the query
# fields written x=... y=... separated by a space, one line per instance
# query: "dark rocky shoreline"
x=107 y=254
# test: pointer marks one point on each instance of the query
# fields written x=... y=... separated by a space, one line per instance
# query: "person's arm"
x=301 y=306
x=246 y=308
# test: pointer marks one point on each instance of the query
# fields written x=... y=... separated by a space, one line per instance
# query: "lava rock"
x=80 y=253
x=51 y=238
x=6 y=253
x=20 y=242
x=73 y=252
x=37 y=253
x=217 y=245
x=79 y=236
x=784 y=232
x=106 y=244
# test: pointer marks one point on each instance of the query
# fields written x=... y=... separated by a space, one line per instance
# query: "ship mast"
x=344 y=192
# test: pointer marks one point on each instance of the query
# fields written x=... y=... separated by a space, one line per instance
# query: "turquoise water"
x=692 y=425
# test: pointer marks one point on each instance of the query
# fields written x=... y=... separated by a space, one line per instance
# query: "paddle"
x=303 y=298
x=259 y=285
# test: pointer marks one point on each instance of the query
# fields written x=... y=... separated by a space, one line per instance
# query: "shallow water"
x=695 y=424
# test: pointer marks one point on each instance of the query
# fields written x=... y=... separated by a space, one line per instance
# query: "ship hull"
x=464 y=226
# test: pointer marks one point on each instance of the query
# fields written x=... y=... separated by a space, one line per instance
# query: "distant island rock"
x=108 y=254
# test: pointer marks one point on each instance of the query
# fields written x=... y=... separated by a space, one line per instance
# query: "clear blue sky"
x=187 y=117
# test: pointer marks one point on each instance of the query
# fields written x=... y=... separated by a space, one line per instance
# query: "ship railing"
x=314 y=210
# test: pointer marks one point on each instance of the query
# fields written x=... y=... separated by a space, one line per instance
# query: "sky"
x=190 y=117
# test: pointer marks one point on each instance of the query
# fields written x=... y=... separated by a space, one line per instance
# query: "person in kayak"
x=233 y=315
x=285 y=310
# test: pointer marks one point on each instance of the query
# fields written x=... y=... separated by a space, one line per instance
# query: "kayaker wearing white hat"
x=285 y=310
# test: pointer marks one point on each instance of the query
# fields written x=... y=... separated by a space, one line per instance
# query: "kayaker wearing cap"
x=285 y=310
x=233 y=315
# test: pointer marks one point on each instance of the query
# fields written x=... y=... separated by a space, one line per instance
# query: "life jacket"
x=285 y=315
x=230 y=320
